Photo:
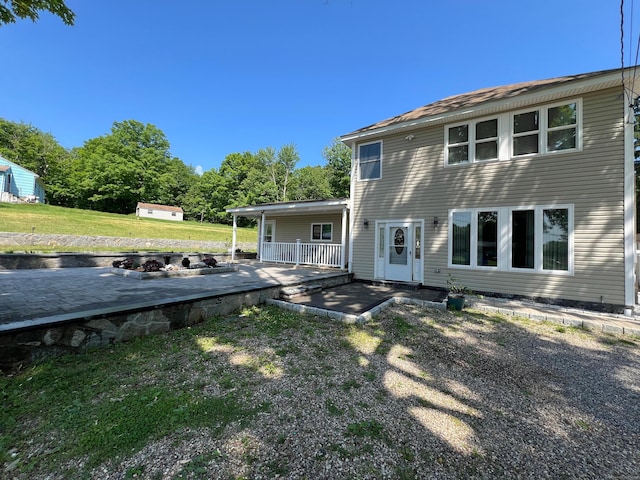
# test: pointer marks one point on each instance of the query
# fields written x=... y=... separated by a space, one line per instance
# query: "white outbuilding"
x=163 y=212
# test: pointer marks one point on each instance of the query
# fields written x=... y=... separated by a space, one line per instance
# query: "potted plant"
x=457 y=292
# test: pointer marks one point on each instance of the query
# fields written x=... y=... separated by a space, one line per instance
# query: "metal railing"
x=298 y=253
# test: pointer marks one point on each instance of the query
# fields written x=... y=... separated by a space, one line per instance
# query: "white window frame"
x=360 y=179
x=472 y=141
x=506 y=133
x=322 y=224
x=505 y=237
x=543 y=128
x=268 y=223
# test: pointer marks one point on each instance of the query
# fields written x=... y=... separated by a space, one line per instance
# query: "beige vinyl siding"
x=415 y=185
x=292 y=227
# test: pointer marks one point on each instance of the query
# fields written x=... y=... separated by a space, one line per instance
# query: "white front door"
x=399 y=252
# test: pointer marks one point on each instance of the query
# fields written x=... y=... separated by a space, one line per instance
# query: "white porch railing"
x=298 y=253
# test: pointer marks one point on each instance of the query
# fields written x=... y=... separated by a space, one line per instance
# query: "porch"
x=300 y=233
x=298 y=253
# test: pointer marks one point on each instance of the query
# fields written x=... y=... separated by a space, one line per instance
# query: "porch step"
x=298 y=290
x=396 y=284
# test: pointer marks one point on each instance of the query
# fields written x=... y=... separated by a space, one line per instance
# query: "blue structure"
x=19 y=184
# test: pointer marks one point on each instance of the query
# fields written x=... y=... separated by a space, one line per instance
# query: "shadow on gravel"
x=509 y=398
x=264 y=393
x=419 y=393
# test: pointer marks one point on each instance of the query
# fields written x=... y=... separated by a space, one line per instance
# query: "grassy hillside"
x=25 y=218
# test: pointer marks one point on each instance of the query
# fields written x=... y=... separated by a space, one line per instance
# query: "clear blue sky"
x=219 y=77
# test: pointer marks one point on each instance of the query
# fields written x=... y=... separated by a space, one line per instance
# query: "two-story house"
x=525 y=189
x=522 y=190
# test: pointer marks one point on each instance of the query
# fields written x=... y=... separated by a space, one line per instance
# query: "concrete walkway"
x=604 y=322
x=358 y=301
x=28 y=296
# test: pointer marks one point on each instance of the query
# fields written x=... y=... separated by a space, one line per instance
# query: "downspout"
x=630 y=253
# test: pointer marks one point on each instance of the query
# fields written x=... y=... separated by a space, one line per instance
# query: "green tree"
x=29 y=147
x=39 y=152
x=202 y=201
x=244 y=177
x=288 y=158
x=115 y=171
x=310 y=183
x=234 y=170
x=279 y=166
x=338 y=157
x=174 y=182
x=11 y=10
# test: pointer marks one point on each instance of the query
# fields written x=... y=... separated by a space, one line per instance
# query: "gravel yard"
x=416 y=393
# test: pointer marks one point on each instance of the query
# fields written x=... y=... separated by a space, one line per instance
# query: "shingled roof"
x=154 y=206
x=476 y=98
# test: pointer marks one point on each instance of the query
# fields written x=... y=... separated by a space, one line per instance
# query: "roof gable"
x=10 y=164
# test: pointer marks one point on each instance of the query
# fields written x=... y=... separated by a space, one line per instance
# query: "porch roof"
x=292 y=208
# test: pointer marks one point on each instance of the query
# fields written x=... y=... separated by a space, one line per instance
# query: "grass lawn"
x=416 y=393
x=38 y=218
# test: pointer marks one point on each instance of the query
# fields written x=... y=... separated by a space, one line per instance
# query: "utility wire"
x=635 y=63
x=627 y=91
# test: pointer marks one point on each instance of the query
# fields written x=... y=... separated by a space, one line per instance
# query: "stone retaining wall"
x=16 y=241
x=22 y=346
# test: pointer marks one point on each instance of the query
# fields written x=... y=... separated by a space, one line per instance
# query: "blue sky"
x=219 y=77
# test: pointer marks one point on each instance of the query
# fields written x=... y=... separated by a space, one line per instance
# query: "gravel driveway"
x=416 y=393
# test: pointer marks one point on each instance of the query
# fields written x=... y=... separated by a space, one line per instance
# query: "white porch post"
x=297 y=251
x=261 y=239
x=630 y=255
x=343 y=243
x=351 y=204
x=233 y=238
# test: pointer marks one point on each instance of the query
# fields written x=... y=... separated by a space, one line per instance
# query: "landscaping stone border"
x=186 y=272
x=350 y=318
x=15 y=261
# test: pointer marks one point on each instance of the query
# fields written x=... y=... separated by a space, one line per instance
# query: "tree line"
x=133 y=163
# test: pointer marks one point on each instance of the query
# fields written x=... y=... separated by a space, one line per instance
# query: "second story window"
x=458 y=145
x=535 y=131
x=526 y=133
x=545 y=130
x=562 y=127
x=472 y=142
x=486 y=147
x=369 y=161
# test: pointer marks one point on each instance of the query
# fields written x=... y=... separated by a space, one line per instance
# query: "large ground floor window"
x=538 y=239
